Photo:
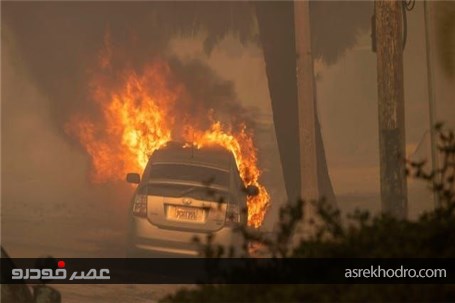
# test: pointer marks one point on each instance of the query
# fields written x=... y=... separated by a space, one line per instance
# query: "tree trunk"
x=276 y=28
x=305 y=100
x=293 y=94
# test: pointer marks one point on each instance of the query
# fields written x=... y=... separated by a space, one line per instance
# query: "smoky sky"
x=59 y=41
x=335 y=26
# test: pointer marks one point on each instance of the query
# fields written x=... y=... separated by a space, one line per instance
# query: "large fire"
x=241 y=145
x=138 y=117
x=136 y=120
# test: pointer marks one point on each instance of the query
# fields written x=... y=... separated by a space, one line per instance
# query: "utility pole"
x=305 y=98
x=431 y=99
x=389 y=50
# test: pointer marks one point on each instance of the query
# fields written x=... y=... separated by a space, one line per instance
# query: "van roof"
x=175 y=152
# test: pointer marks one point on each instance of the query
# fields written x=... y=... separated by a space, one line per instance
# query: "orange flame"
x=137 y=119
x=135 y=122
x=241 y=145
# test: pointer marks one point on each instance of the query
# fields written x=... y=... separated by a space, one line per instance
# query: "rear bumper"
x=148 y=240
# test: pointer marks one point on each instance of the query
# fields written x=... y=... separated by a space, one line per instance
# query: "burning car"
x=186 y=192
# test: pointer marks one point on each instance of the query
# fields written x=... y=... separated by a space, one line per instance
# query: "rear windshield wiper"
x=194 y=188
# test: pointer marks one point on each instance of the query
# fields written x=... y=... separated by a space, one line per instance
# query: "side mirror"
x=252 y=190
x=133 y=178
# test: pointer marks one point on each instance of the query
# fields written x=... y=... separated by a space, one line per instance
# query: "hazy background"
x=48 y=205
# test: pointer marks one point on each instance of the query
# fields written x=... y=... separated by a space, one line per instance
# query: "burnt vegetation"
x=363 y=235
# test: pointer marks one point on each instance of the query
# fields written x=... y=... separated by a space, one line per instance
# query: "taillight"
x=140 y=206
x=232 y=214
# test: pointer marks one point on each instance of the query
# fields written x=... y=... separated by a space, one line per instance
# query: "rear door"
x=187 y=196
x=185 y=206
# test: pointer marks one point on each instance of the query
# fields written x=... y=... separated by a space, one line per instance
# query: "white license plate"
x=184 y=213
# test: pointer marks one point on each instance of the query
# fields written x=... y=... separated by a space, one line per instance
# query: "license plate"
x=184 y=213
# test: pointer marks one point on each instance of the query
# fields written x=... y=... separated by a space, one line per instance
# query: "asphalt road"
x=81 y=231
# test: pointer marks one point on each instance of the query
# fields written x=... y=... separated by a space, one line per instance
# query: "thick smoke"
x=335 y=26
x=60 y=43
x=209 y=91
